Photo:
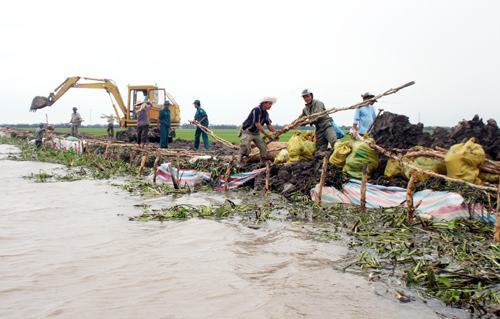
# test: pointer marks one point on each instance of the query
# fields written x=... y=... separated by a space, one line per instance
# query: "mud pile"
x=488 y=135
x=395 y=131
x=300 y=177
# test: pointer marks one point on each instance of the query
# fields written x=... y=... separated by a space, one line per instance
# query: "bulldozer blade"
x=39 y=102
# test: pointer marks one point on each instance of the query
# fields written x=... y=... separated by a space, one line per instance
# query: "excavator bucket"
x=39 y=102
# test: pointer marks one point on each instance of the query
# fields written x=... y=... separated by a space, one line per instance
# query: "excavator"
x=126 y=115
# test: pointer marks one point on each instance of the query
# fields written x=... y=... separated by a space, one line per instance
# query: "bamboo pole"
x=322 y=179
x=217 y=138
x=268 y=176
x=497 y=221
x=141 y=167
x=409 y=196
x=228 y=173
x=304 y=120
x=364 y=179
x=401 y=161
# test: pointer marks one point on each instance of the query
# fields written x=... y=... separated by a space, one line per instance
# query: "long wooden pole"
x=217 y=138
x=389 y=154
x=304 y=120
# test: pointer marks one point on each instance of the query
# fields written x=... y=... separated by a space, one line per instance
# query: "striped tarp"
x=193 y=178
x=437 y=204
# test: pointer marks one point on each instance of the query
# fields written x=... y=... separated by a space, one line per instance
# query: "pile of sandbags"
x=463 y=161
x=300 y=147
x=352 y=156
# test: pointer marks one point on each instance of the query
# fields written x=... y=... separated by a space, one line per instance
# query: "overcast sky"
x=229 y=54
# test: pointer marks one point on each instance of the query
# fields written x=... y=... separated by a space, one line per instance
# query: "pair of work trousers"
x=164 y=131
x=142 y=134
x=111 y=130
x=246 y=144
x=74 y=130
x=197 y=138
x=324 y=137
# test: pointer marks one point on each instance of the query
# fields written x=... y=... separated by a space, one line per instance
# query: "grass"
x=181 y=133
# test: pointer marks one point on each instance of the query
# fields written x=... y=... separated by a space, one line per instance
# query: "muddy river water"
x=67 y=250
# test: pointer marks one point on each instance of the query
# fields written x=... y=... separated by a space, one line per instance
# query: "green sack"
x=361 y=154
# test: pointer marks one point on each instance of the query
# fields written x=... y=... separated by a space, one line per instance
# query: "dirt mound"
x=300 y=177
x=488 y=135
x=395 y=131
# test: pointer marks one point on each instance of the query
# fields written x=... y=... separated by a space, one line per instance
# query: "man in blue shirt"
x=365 y=115
x=200 y=117
x=253 y=126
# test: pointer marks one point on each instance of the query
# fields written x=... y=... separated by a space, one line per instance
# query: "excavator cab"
x=157 y=96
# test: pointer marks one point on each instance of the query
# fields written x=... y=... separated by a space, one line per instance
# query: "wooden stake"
x=364 y=179
x=228 y=173
x=155 y=167
x=178 y=167
x=175 y=181
x=497 y=222
x=106 y=150
x=268 y=176
x=409 y=196
x=141 y=168
x=322 y=178
x=132 y=156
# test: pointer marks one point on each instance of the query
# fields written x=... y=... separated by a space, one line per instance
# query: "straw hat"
x=268 y=99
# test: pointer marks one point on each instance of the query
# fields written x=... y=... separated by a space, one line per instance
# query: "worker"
x=164 y=122
x=365 y=115
x=76 y=122
x=111 y=125
x=142 y=111
x=253 y=126
x=200 y=117
x=324 y=125
x=39 y=135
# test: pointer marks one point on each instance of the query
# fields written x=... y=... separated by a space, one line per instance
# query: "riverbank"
x=379 y=243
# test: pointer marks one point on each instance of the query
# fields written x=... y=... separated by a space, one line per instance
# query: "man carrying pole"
x=202 y=118
x=324 y=125
x=253 y=126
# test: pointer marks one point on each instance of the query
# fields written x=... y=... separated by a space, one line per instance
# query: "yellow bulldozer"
x=126 y=115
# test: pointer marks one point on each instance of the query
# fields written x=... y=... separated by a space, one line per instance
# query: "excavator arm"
x=40 y=102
